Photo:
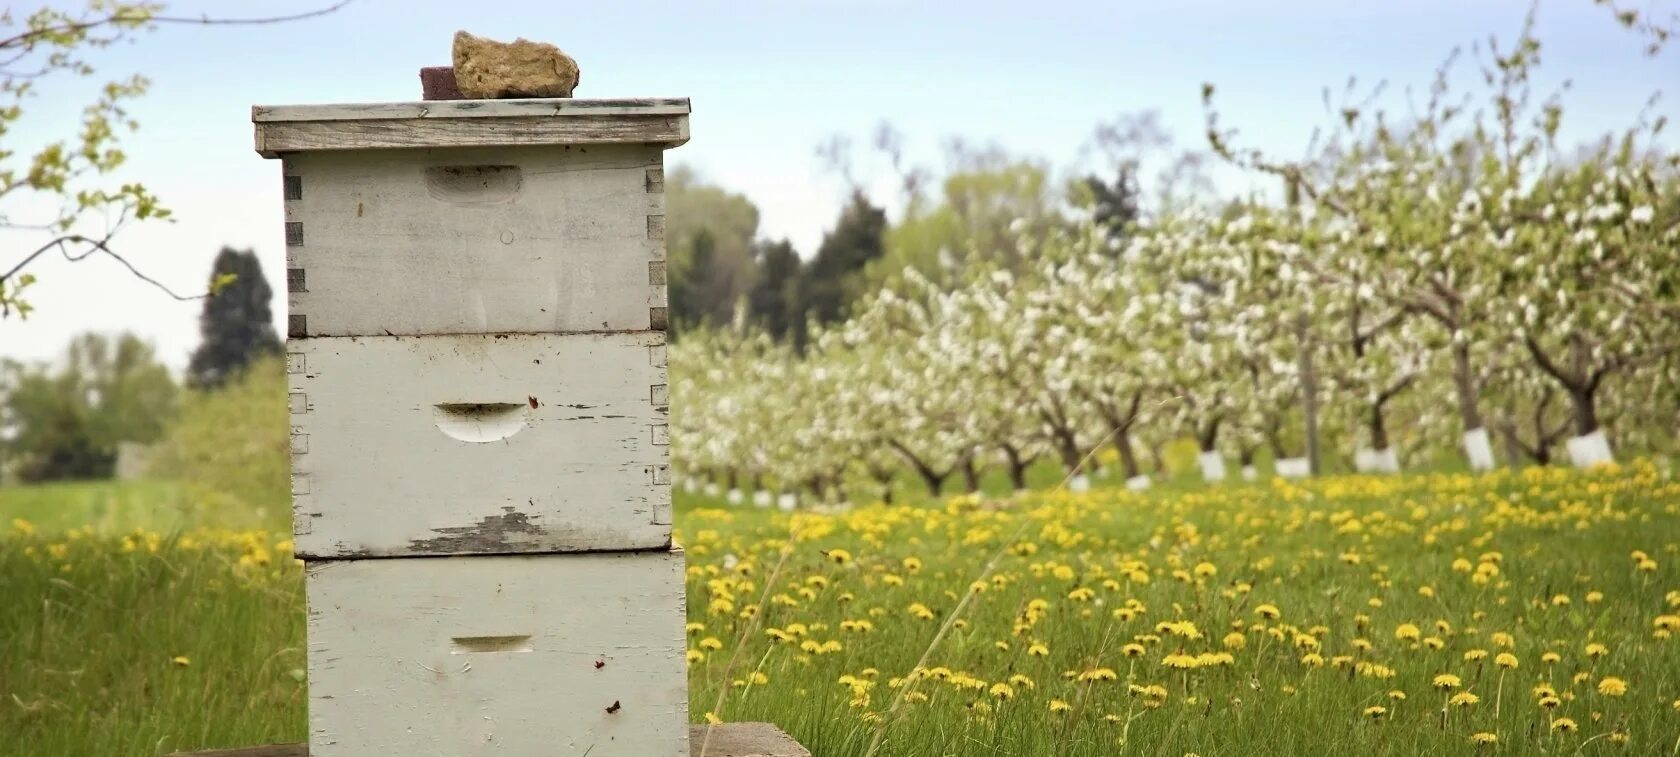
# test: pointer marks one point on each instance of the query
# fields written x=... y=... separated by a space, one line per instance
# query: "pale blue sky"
x=769 y=80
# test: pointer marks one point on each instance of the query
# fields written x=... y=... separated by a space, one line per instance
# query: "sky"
x=769 y=80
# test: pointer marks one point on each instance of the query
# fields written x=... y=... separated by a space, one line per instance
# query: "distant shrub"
x=230 y=444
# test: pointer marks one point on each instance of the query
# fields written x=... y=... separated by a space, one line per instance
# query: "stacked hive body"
x=480 y=471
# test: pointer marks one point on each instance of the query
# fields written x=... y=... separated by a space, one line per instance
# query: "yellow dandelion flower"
x=1375 y=711
x=1057 y=705
x=1407 y=632
x=1612 y=686
x=1483 y=738
x=1596 y=651
x=1446 y=682
x=180 y=661
x=1038 y=649
x=1505 y=660
x=1464 y=699
x=1566 y=725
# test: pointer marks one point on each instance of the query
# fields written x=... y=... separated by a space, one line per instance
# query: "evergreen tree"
x=830 y=282
x=237 y=325
x=773 y=300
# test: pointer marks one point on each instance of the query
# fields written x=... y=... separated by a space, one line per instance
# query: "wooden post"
x=480 y=468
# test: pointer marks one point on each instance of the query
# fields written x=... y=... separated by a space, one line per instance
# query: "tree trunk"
x=1379 y=428
x=1583 y=409
x=1128 y=456
x=1464 y=380
x=1017 y=466
x=1309 y=394
x=1068 y=448
x=1207 y=437
x=970 y=474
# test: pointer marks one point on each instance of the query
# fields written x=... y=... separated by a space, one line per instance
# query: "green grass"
x=94 y=620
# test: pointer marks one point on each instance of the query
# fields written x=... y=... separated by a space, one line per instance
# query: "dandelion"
x=1550 y=658
x=1057 y=705
x=1596 y=651
x=839 y=556
x=1038 y=649
x=1376 y=711
x=1407 y=632
x=1269 y=612
x=1483 y=738
x=180 y=661
x=1612 y=686
x=1463 y=699
x=1446 y=682
x=1475 y=655
x=1002 y=691
x=1506 y=660
x=1565 y=725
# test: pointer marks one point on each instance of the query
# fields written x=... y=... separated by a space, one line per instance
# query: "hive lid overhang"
x=469 y=123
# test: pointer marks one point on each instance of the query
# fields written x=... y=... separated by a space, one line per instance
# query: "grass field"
x=1411 y=615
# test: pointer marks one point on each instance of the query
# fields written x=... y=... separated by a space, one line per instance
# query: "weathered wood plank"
x=479 y=444
x=276 y=138
x=512 y=655
x=544 y=239
x=445 y=109
x=727 y=740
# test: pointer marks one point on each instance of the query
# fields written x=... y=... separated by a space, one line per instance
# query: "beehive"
x=480 y=468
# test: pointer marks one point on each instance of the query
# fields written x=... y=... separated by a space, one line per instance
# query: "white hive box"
x=480 y=467
x=518 y=655
x=511 y=216
x=479 y=444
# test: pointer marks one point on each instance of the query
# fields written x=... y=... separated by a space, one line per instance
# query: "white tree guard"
x=1294 y=467
x=1479 y=448
x=1138 y=483
x=1590 y=450
x=1079 y=484
x=1213 y=466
